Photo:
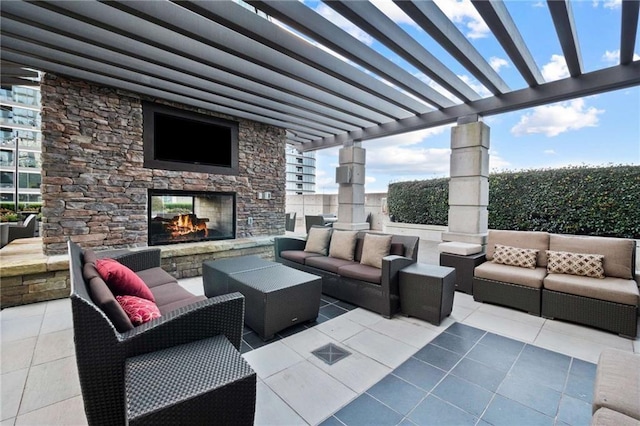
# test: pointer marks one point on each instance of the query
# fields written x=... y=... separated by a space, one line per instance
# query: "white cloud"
x=613 y=57
x=405 y=139
x=497 y=63
x=549 y=152
x=394 y=13
x=475 y=85
x=496 y=162
x=337 y=19
x=612 y=4
x=409 y=161
x=462 y=12
x=556 y=69
x=552 y=120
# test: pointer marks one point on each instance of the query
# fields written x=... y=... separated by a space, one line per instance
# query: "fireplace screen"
x=184 y=216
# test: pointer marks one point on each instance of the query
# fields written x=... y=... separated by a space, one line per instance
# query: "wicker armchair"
x=201 y=339
x=26 y=230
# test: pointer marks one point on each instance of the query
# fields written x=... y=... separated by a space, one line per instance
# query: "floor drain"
x=331 y=353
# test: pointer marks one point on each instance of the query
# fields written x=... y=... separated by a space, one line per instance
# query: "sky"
x=597 y=130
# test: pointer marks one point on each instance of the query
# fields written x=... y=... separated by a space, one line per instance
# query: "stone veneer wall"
x=94 y=187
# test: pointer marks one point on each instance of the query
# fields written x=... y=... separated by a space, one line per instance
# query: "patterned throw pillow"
x=515 y=256
x=122 y=280
x=318 y=240
x=138 y=310
x=587 y=265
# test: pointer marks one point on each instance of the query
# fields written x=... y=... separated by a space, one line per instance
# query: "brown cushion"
x=397 y=249
x=361 y=272
x=318 y=240
x=564 y=262
x=357 y=255
x=180 y=303
x=524 y=239
x=375 y=247
x=515 y=256
x=326 y=263
x=156 y=276
x=89 y=256
x=298 y=256
x=343 y=244
x=617 y=383
x=617 y=252
x=613 y=289
x=169 y=293
x=511 y=274
x=105 y=300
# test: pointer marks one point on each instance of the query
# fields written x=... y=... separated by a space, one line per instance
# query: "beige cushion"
x=318 y=241
x=515 y=256
x=617 y=384
x=564 y=262
x=343 y=244
x=511 y=274
x=617 y=252
x=375 y=247
x=523 y=239
x=612 y=289
x=462 y=249
x=606 y=417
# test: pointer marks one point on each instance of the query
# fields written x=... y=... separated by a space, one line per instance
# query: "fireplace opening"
x=190 y=216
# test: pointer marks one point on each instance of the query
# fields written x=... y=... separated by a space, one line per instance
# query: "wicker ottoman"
x=277 y=297
x=200 y=383
x=215 y=273
x=426 y=291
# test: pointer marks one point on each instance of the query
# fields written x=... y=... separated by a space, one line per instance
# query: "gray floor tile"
x=507 y=344
x=11 y=387
x=49 y=383
x=367 y=411
x=480 y=374
x=453 y=343
x=530 y=393
x=503 y=412
x=67 y=412
x=438 y=357
x=20 y=328
x=397 y=393
x=54 y=346
x=434 y=411
x=543 y=366
x=465 y=395
x=466 y=331
x=17 y=354
x=574 y=411
x=419 y=373
x=494 y=356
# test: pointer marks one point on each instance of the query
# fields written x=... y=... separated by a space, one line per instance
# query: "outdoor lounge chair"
x=26 y=230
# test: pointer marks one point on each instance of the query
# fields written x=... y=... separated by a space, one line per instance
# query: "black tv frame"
x=149 y=110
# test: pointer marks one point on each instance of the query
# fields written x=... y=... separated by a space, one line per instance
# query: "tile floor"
x=383 y=373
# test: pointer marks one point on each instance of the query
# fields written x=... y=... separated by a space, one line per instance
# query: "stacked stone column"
x=350 y=177
x=469 y=182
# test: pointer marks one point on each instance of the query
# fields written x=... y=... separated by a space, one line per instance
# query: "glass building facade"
x=301 y=171
x=20 y=146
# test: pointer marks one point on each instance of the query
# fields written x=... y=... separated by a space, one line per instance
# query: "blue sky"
x=595 y=130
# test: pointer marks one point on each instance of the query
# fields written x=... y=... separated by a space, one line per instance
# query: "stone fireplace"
x=188 y=216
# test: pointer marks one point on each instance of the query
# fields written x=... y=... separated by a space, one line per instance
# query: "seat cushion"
x=612 y=289
x=298 y=256
x=169 y=293
x=154 y=277
x=511 y=274
x=606 y=417
x=361 y=272
x=326 y=263
x=180 y=303
x=617 y=383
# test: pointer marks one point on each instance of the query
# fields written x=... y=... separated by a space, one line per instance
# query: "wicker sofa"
x=609 y=302
x=348 y=279
x=189 y=331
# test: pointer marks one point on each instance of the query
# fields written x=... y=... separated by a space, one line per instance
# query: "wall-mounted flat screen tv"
x=176 y=139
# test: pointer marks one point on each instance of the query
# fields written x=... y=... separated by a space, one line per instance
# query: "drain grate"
x=331 y=353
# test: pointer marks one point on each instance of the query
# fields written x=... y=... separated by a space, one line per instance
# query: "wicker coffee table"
x=276 y=296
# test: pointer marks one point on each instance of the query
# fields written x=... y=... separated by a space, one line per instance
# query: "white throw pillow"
x=374 y=248
x=343 y=244
x=318 y=240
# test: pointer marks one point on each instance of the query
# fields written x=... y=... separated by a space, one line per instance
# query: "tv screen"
x=177 y=139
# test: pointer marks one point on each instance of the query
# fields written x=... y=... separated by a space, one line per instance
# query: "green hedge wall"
x=581 y=200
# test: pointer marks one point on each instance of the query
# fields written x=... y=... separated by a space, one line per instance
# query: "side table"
x=464 y=266
x=426 y=291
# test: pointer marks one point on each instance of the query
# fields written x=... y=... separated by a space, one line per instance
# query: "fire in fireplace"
x=190 y=216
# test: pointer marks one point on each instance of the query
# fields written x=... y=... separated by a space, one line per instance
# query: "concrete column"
x=469 y=182
x=350 y=177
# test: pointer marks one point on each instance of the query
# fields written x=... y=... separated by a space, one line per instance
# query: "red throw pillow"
x=138 y=310
x=122 y=280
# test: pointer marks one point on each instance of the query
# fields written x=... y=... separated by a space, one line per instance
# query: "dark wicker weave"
x=101 y=350
x=426 y=291
x=616 y=317
x=507 y=294
x=203 y=382
x=464 y=266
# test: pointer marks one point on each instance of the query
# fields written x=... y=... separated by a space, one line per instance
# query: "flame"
x=183 y=224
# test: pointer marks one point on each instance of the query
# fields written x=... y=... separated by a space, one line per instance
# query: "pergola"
x=281 y=63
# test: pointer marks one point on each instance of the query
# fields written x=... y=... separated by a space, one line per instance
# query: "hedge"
x=579 y=200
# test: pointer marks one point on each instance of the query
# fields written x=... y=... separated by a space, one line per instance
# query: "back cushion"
x=618 y=252
x=520 y=239
x=357 y=255
x=318 y=240
x=104 y=298
x=343 y=244
x=397 y=249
